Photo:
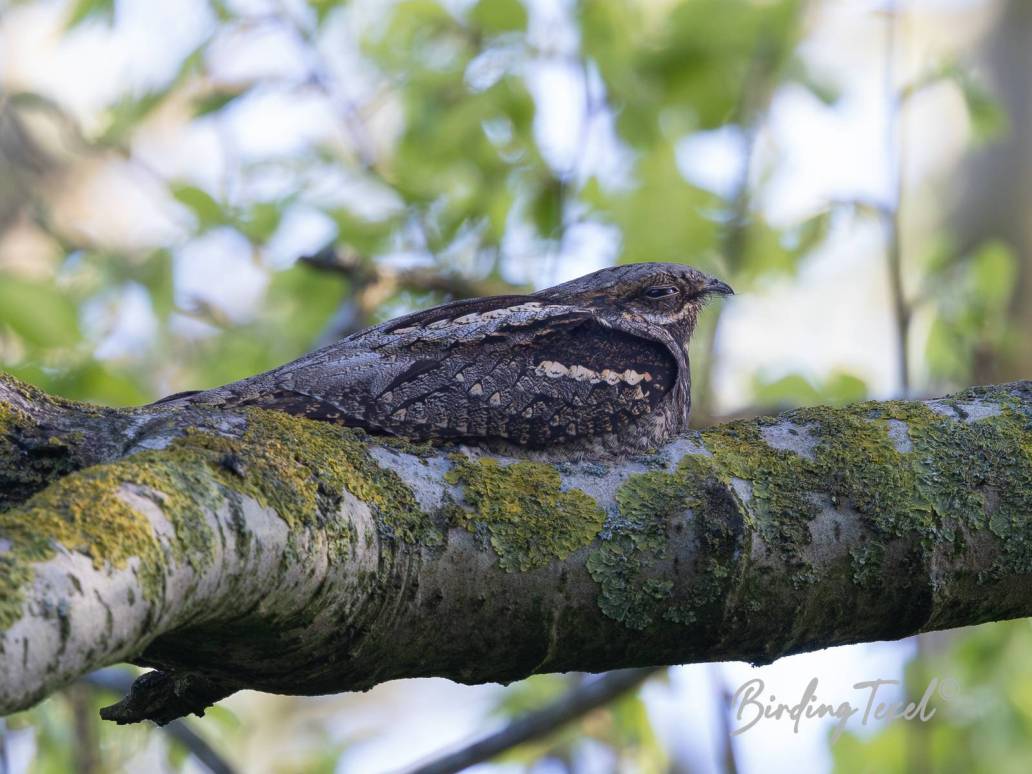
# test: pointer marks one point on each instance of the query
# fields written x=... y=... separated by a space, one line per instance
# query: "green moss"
x=29 y=458
x=529 y=518
x=854 y=465
x=297 y=467
x=86 y=512
x=955 y=478
x=630 y=563
x=867 y=562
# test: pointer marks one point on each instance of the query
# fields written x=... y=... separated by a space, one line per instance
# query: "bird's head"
x=642 y=297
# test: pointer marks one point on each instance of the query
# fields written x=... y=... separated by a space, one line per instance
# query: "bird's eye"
x=661 y=291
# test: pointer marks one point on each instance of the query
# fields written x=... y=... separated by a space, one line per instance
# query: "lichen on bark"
x=529 y=518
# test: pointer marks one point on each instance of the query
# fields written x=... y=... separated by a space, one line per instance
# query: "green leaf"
x=323 y=8
x=222 y=10
x=546 y=208
x=216 y=100
x=84 y=10
x=93 y=381
x=261 y=220
x=988 y=118
x=156 y=275
x=994 y=273
x=38 y=312
x=798 y=72
x=209 y=213
x=128 y=112
x=665 y=217
x=367 y=237
x=498 y=16
x=794 y=389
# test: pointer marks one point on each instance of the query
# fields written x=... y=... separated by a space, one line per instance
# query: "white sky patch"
x=218 y=269
x=817 y=323
x=123 y=322
x=264 y=52
x=558 y=90
x=302 y=231
x=117 y=204
x=91 y=66
x=267 y=123
x=193 y=152
x=713 y=160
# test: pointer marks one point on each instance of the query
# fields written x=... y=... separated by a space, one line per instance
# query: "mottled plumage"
x=600 y=361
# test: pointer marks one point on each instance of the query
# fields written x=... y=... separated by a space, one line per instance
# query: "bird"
x=598 y=363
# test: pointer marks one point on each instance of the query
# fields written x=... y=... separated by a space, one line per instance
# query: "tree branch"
x=250 y=549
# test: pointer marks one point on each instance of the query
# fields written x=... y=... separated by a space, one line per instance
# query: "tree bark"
x=251 y=549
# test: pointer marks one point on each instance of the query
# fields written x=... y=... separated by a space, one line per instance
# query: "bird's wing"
x=509 y=367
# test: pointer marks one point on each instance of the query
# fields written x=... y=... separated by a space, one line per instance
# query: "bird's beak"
x=716 y=286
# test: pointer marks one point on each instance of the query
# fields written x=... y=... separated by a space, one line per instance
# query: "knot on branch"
x=164 y=697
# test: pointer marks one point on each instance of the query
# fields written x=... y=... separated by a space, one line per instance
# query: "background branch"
x=574 y=704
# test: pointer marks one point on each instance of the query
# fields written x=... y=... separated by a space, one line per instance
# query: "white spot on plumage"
x=496 y=399
x=552 y=369
x=579 y=373
x=476 y=389
x=582 y=374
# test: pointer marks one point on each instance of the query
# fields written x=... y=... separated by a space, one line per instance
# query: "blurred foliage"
x=837 y=389
x=972 y=295
x=984 y=727
x=64 y=725
x=438 y=159
x=434 y=155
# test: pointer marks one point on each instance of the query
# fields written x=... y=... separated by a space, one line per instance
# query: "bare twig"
x=86 y=739
x=892 y=214
x=372 y=284
x=575 y=704
x=722 y=698
x=5 y=758
x=750 y=114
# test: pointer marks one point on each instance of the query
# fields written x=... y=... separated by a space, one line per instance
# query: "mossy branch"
x=250 y=549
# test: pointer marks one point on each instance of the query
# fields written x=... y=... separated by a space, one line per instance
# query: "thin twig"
x=5 y=758
x=722 y=698
x=894 y=156
x=575 y=704
x=372 y=285
x=750 y=113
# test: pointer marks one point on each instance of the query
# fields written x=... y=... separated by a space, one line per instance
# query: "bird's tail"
x=176 y=396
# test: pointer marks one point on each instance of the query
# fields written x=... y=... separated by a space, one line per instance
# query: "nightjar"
x=599 y=362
